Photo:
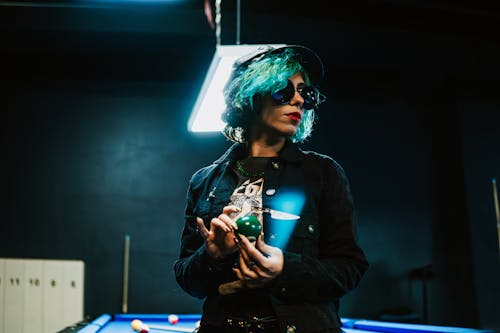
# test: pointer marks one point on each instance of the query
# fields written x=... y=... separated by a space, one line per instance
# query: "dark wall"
x=95 y=147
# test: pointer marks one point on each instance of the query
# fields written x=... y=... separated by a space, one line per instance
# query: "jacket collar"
x=290 y=152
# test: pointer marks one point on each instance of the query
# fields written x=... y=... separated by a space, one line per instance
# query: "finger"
x=241 y=275
x=265 y=249
x=246 y=269
x=246 y=247
x=252 y=251
x=254 y=269
x=238 y=273
x=230 y=209
x=254 y=275
x=231 y=212
x=201 y=227
x=217 y=223
x=227 y=220
x=243 y=251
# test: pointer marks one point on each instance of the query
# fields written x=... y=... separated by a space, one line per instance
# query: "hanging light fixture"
x=206 y=114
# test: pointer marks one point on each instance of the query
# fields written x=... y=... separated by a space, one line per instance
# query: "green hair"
x=265 y=75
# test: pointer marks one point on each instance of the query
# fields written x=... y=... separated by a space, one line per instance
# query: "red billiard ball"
x=173 y=319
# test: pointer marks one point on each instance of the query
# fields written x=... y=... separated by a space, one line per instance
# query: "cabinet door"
x=73 y=288
x=2 y=293
x=33 y=306
x=53 y=300
x=14 y=296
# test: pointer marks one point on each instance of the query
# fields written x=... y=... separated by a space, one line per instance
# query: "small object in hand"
x=173 y=319
x=249 y=226
x=232 y=287
x=139 y=326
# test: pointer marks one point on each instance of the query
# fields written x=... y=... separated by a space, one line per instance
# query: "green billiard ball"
x=249 y=226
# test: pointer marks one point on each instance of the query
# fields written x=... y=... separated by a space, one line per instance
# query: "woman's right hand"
x=220 y=239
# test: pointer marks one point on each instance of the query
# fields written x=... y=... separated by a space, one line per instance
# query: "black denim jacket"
x=322 y=259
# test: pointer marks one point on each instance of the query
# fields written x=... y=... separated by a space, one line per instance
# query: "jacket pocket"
x=304 y=238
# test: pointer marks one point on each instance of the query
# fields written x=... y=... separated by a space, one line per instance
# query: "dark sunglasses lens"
x=310 y=96
x=284 y=95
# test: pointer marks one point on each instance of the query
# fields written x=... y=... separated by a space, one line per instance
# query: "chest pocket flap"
x=304 y=238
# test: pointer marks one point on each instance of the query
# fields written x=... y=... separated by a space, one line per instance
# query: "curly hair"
x=264 y=75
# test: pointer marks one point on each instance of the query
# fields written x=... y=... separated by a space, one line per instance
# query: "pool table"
x=121 y=323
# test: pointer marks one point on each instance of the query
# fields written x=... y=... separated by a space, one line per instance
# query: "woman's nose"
x=297 y=99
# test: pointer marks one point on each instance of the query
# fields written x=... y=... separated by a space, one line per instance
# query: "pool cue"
x=171 y=329
x=497 y=209
x=126 y=260
x=163 y=328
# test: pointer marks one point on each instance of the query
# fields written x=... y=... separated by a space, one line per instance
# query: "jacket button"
x=283 y=290
x=310 y=227
x=290 y=328
x=270 y=191
x=275 y=165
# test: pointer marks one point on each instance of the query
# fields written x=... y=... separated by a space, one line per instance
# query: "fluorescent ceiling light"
x=206 y=115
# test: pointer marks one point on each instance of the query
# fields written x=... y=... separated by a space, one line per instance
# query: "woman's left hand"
x=259 y=262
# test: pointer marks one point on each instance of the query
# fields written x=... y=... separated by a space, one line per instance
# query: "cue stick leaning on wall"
x=126 y=260
x=497 y=209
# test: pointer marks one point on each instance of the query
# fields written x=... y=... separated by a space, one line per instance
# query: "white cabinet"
x=40 y=295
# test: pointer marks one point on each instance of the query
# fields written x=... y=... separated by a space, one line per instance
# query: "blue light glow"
x=278 y=232
x=289 y=201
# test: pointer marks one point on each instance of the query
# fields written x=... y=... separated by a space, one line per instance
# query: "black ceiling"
x=186 y=17
x=60 y=38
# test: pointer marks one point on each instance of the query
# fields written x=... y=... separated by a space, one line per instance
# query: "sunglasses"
x=310 y=95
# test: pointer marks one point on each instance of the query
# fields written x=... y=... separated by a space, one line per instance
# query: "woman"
x=291 y=278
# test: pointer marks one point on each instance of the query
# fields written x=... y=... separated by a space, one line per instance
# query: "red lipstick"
x=295 y=116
